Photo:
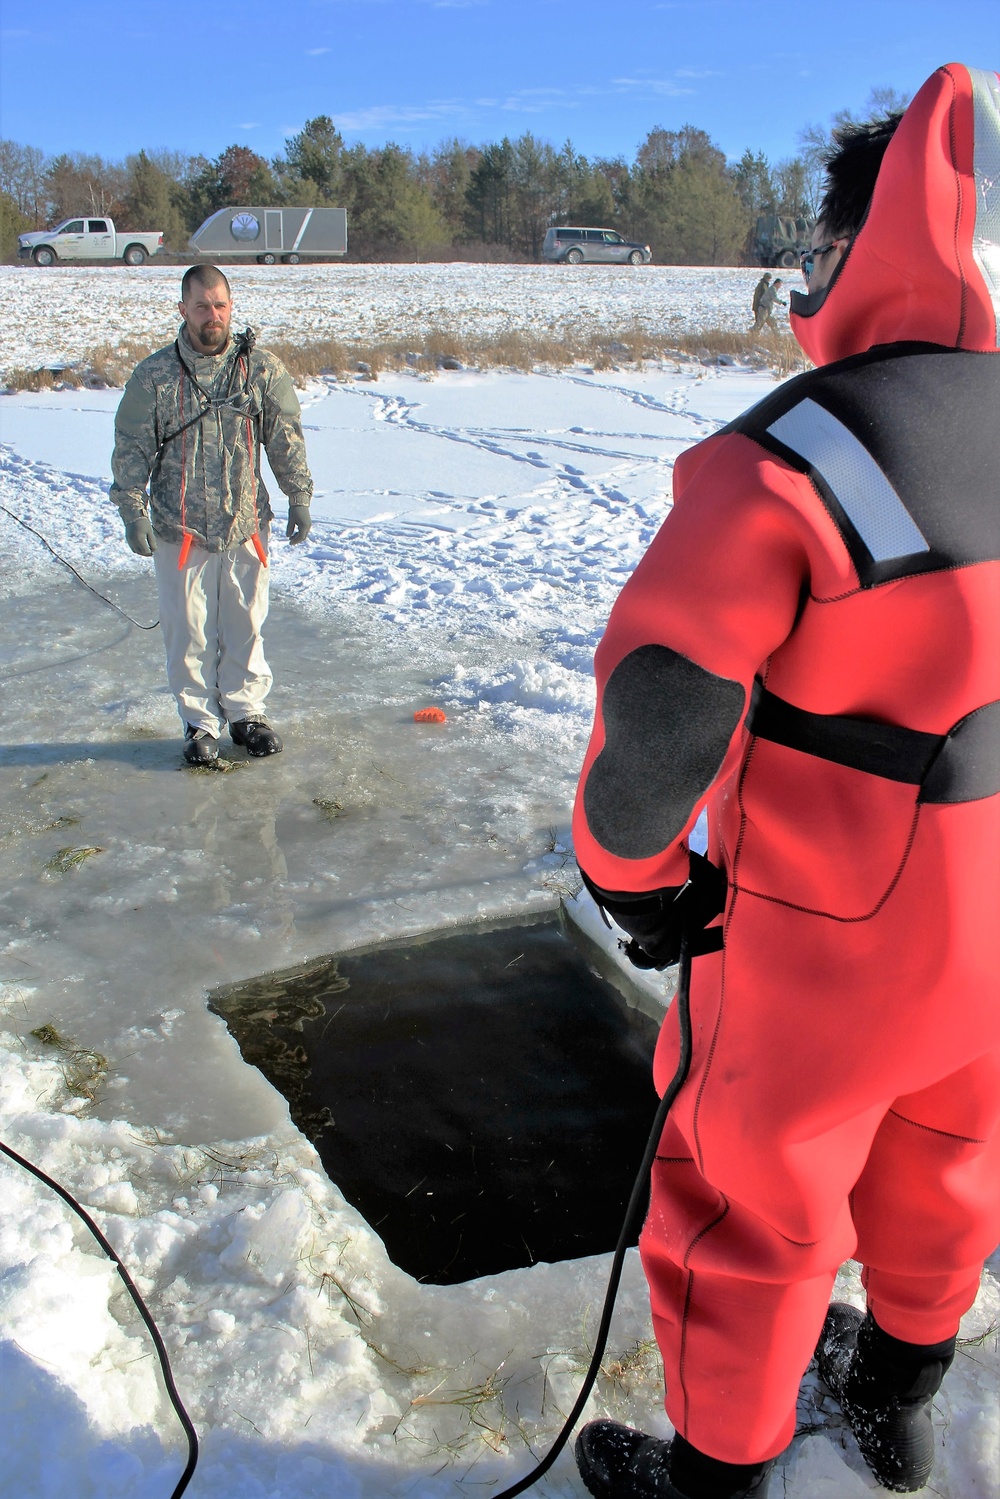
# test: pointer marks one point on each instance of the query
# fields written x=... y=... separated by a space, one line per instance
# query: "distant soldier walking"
x=190 y=426
x=769 y=299
x=758 y=292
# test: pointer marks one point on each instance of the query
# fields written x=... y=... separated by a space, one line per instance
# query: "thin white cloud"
x=250 y=125
x=525 y=101
x=697 y=73
x=518 y=104
x=536 y=100
x=317 y=51
x=381 y=116
x=662 y=86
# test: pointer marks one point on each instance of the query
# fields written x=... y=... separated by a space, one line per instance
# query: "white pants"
x=211 y=614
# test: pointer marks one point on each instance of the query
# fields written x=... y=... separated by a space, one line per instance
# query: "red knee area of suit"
x=839 y=1106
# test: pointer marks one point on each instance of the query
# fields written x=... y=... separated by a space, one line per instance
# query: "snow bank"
x=310 y=1365
x=306 y=1358
x=58 y=315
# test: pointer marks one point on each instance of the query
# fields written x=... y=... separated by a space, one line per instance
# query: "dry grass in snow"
x=111 y=365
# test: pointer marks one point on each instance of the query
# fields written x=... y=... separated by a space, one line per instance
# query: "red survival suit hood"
x=925 y=264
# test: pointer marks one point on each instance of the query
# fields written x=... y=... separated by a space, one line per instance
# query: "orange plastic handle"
x=258 y=547
x=185 y=549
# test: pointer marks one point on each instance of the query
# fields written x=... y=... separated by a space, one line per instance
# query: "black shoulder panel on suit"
x=667 y=726
x=903 y=445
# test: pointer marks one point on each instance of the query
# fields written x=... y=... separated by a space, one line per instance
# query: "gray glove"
x=299 y=523
x=139 y=535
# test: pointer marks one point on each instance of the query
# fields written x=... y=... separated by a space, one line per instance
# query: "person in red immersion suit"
x=810 y=651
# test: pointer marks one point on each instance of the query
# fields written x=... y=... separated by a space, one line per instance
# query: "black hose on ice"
x=143 y=1310
x=632 y=1214
x=49 y=547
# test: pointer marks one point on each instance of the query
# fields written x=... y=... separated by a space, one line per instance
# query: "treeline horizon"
x=490 y=202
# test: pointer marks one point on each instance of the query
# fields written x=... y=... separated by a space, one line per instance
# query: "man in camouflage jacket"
x=187 y=483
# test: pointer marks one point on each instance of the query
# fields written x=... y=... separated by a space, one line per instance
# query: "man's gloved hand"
x=656 y=920
x=299 y=524
x=139 y=535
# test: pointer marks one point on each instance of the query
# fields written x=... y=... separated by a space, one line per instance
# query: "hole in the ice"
x=483 y=1097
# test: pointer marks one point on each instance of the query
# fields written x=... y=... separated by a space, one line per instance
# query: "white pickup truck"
x=87 y=239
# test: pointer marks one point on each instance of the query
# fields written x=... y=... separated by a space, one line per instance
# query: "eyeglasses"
x=808 y=258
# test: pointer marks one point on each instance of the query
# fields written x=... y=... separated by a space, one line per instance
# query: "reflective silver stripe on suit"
x=861 y=488
x=986 y=170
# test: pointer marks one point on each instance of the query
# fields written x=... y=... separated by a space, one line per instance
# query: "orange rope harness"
x=186 y=536
x=258 y=545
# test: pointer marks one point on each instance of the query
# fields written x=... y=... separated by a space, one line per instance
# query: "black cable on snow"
x=143 y=1310
x=632 y=1214
x=636 y=1203
x=48 y=545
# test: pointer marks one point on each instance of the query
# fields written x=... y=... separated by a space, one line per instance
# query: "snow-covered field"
x=58 y=315
x=471 y=533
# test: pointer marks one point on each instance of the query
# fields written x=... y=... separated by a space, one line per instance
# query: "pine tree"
x=389 y=211
x=686 y=201
x=153 y=201
x=446 y=174
x=489 y=216
x=314 y=159
x=754 y=182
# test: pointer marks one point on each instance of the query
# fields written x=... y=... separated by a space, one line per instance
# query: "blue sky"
x=111 y=76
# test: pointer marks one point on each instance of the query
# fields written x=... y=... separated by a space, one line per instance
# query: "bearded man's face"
x=207 y=313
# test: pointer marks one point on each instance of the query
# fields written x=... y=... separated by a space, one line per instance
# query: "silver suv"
x=604 y=246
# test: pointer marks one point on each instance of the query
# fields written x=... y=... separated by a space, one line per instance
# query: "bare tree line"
x=493 y=201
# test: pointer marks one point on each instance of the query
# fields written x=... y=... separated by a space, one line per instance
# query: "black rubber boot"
x=885 y=1388
x=617 y=1462
x=200 y=748
x=256 y=736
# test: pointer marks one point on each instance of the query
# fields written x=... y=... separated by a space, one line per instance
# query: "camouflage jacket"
x=206 y=479
x=763 y=285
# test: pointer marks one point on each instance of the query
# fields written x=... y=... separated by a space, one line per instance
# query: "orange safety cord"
x=258 y=545
x=186 y=538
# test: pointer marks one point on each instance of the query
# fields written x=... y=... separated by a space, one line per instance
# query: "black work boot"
x=617 y=1462
x=256 y=736
x=200 y=747
x=885 y=1388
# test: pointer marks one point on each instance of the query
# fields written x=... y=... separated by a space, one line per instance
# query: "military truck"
x=271 y=234
x=779 y=239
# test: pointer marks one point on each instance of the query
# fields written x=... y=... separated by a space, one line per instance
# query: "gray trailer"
x=270 y=234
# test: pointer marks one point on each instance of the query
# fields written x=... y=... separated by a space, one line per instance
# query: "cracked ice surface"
x=471 y=534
